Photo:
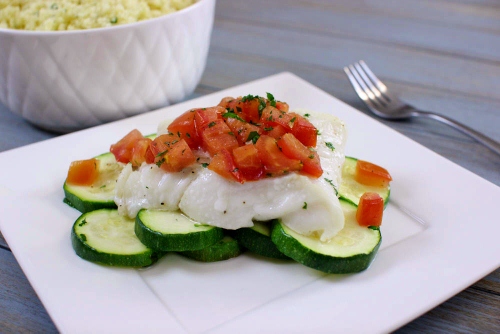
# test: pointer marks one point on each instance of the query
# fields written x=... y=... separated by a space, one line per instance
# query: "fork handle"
x=485 y=140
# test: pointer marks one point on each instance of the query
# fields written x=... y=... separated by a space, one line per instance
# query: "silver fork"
x=382 y=103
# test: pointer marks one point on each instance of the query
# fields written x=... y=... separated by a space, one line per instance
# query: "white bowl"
x=68 y=80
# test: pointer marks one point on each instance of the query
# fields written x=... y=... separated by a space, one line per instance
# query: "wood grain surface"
x=439 y=55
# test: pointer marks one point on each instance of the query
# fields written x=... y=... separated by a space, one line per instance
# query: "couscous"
x=50 y=15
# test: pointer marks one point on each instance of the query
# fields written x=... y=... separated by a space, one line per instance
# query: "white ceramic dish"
x=437 y=240
x=69 y=80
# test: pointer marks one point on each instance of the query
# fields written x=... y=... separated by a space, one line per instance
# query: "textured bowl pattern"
x=65 y=81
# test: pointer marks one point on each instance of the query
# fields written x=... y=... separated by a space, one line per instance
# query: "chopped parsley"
x=269 y=128
x=305 y=206
x=204 y=165
x=211 y=124
x=330 y=146
x=83 y=222
x=307 y=115
x=253 y=136
x=231 y=114
x=113 y=20
x=248 y=97
x=334 y=188
x=271 y=99
x=160 y=162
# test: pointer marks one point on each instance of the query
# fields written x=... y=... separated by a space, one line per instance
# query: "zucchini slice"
x=257 y=239
x=105 y=237
x=351 y=190
x=350 y=251
x=225 y=249
x=102 y=193
x=173 y=231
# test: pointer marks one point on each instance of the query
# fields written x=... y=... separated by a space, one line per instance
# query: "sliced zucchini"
x=105 y=237
x=351 y=190
x=101 y=194
x=350 y=251
x=173 y=231
x=224 y=249
x=257 y=239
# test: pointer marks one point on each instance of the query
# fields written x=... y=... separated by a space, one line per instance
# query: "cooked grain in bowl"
x=50 y=15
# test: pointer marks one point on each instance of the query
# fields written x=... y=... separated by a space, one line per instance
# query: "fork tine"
x=371 y=85
x=360 y=87
x=380 y=85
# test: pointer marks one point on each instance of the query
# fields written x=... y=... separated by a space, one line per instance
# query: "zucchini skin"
x=325 y=263
x=225 y=249
x=258 y=243
x=83 y=205
x=176 y=242
x=89 y=253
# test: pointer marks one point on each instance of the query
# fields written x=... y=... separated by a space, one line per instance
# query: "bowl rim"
x=168 y=16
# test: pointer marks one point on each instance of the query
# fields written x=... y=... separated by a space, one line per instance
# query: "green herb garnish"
x=330 y=146
x=253 y=136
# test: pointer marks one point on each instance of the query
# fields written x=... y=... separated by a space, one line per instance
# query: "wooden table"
x=440 y=55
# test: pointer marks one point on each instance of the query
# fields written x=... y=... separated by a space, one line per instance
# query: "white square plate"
x=440 y=235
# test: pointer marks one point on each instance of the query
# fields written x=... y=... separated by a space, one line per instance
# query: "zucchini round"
x=173 y=231
x=257 y=239
x=350 y=251
x=351 y=190
x=105 y=237
x=99 y=195
x=225 y=249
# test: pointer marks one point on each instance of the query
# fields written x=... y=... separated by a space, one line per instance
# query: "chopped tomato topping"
x=217 y=136
x=247 y=160
x=184 y=127
x=303 y=130
x=223 y=164
x=240 y=135
x=205 y=116
x=371 y=175
x=276 y=131
x=370 y=209
x=171 y=153
x=294 y=149
x=242 y=130
x=83 y=172
x=122 y=150
x=272 y=116
x=139 y=150
x=275 y=162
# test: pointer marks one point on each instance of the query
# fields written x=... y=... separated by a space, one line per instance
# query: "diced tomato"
x=223 y=164
x=171 y=153
x=275 y=162
x=205 y=116
x=149 y=156
x=248 y=108
x=241 y=129
x=83 y=172
x=294 y=149
x=371 y=175
x=276 y=131
x=122 y=150
x=217 y=136
x=184 y=127
x=247 y=160
x=225 y=101
x=272 y=116
x=303 y=130
x=370 y=209
x=283 y=106
x=139 y=151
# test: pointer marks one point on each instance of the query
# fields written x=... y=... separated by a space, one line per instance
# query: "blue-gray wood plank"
x=440 y=55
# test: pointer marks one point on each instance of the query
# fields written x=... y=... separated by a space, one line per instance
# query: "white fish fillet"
x=306 y=205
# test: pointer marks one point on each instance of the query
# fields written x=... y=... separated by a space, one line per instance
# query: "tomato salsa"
x=247 y=138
